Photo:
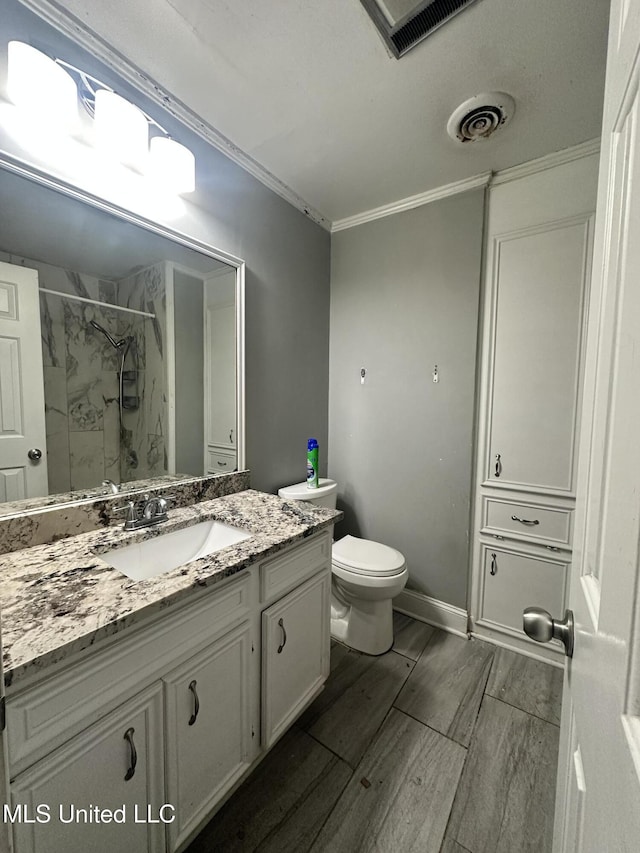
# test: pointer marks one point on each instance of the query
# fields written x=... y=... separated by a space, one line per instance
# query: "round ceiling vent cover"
x=481 y=116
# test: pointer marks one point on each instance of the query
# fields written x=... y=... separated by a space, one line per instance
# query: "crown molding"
x=556 y=158
x=66 y=23
x=418 y=200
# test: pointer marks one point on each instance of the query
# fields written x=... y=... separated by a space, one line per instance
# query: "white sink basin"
x=153 y=557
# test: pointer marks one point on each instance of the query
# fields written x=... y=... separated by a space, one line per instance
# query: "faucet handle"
x=129 y=508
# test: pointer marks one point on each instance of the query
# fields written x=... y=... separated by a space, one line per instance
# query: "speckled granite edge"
x=52 y=523
x=61 y=598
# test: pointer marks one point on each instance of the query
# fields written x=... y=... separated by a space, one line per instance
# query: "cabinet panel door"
x=513 y=581
x=88 y=772
x=208 y=728
x=295 y=653
x=539 y=278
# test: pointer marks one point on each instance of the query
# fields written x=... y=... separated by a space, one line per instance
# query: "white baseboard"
x=431 y=610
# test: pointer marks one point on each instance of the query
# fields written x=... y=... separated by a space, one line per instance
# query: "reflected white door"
x=4 y=770
x=22 y=421
x=598 y=799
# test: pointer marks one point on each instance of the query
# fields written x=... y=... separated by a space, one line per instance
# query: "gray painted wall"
x=287 y=278
x=404 y=297
x=189 y=325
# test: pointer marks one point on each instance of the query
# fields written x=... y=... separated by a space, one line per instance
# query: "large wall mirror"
x=121 y=347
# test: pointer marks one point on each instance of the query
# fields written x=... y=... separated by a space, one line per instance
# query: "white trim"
x=409 y=203
x=170 y=366
x=72 y=27
x=431 y=610
x=549 y=161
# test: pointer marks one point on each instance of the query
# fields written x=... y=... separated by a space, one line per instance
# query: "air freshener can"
x=312 y=463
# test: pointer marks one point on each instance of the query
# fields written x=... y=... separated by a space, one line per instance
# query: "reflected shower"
x=130 y=377
x=112 y=341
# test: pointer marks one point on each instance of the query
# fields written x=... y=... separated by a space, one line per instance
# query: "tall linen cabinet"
x=537 y=271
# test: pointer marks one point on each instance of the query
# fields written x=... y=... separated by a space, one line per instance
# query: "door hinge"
x=3 y=715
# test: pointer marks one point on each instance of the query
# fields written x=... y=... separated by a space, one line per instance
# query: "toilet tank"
x=324 y=495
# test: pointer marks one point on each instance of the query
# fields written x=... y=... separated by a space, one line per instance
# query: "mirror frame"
x=49 y=181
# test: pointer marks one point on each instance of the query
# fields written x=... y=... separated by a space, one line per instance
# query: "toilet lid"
x=364 y=557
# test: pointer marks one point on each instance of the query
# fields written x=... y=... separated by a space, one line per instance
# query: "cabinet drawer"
x=513 y=581
x=42 y=717
x=282 y=573
x=217 y=460
x=530 y=522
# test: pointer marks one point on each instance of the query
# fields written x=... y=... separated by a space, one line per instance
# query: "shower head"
x=112 y=341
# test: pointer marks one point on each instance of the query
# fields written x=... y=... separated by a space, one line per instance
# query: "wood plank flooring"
x=443 y=745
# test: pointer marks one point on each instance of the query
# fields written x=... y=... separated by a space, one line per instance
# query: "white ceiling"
x=309 y=90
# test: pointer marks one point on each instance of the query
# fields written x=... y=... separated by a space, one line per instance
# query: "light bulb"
x=122 y=130
x=172 y=165
x=41 y=88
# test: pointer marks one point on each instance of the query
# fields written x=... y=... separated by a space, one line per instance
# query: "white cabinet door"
x=540 y=278
x=22 y=422
x=295 y=654
x=512 y=580
x=115 y=764
x=209 y=730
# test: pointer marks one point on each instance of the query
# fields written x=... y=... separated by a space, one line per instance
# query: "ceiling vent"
x=405 y=23
x=480 y=116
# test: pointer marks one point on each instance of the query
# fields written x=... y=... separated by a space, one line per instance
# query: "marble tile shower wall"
x=145 y=426
x=81 y=377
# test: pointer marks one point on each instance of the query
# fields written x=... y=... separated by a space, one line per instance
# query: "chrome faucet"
x=115 y=488
x=146 y=512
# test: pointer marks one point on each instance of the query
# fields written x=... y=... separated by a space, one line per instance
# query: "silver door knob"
x=35 y=454
x=539 y=625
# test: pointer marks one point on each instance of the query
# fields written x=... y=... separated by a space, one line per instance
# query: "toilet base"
x=366 y=626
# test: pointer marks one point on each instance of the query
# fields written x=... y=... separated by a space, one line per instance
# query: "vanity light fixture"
x=48 y=91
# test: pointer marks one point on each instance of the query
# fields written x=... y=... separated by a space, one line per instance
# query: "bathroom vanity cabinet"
x=173 y=713
x=539 y=238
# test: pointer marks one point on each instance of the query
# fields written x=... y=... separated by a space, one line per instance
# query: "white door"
x=4 y=767
x=22 y=422
x=598 y=796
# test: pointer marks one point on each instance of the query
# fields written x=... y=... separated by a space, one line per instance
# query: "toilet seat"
x=365 y=557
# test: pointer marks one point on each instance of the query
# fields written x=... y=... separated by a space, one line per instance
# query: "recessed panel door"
x=23 y=456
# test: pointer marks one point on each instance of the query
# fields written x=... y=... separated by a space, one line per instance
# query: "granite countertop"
x=56 y=600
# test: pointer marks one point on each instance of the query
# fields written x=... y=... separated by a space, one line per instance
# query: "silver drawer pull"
x=498 y=465
x=196 y=703
x=494 y=565
x=284 y=636
x=524 y=520
x=128 y=736
x=222 y=464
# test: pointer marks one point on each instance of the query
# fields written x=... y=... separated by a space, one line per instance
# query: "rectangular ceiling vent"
x=405 y=23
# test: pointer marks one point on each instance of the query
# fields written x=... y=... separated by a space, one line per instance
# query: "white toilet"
x=365 y=577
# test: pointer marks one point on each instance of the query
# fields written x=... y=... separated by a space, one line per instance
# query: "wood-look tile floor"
x=443 y=745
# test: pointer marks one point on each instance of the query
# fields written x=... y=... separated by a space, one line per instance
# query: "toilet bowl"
x=365 y=577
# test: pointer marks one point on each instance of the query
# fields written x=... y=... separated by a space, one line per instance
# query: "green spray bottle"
x=312 y=463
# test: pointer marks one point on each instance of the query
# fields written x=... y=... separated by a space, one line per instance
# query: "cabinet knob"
x=284 y=636
x=196 y=703
x=128 y=736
